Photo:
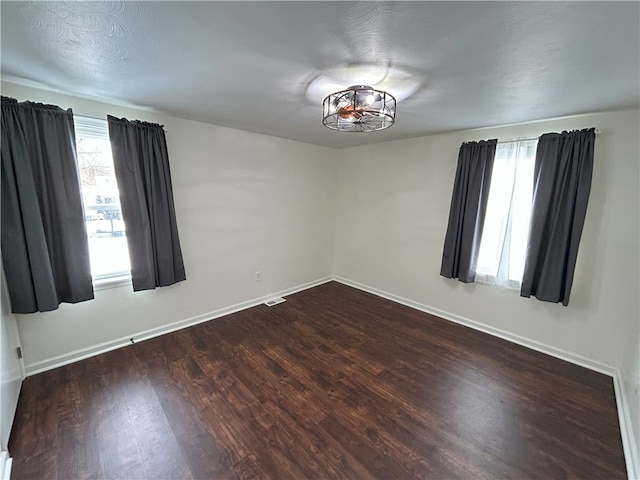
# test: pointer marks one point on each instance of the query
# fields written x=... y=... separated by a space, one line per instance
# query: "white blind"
x=91 y=127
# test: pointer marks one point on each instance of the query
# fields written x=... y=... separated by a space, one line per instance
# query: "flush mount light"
x=359 y=108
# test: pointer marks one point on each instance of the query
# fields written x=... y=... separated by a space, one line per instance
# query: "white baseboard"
x=5 y=465
x=631 y=454
x=76 y=355
x=81 y=354
x=626 y=430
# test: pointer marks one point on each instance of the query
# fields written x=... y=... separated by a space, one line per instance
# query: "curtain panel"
x=468 y=208
x=141 y=165
x=45 y=249
x=562 y=183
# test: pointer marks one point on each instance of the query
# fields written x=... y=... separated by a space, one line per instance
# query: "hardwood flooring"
x=334 y=383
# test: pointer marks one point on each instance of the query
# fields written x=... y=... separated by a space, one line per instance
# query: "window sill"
x=111 y=282
x=491 y=281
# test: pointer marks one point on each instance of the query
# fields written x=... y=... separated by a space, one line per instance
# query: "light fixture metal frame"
x=359 y=109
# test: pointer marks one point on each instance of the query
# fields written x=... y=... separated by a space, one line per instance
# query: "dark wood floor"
x=334 y=383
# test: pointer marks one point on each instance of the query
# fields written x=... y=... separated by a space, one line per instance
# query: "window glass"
x=103 y=217
x=503 y=245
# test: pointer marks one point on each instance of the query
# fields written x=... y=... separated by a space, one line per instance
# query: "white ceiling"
x=265 y=66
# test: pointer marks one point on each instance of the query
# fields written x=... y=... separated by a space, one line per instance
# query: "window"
x=503 y=244
x=108 y=249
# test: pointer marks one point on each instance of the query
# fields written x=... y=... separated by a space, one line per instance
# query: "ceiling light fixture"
x=359 y=108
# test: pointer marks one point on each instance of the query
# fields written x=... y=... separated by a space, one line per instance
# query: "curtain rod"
x=515 y=140
x=597 y=132
x=105 y=119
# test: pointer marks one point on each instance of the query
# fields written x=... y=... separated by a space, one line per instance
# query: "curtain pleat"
x=45 y=249
x=562 y=183
x=141 y=165
x=468 y=208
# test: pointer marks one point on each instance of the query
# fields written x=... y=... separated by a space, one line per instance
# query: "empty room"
x=313 y=240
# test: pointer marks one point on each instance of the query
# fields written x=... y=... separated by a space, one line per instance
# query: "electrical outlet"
x=258 y=275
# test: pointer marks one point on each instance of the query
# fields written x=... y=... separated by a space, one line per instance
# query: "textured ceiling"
x=265 y=66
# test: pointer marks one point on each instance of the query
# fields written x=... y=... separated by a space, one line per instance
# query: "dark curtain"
x=146 y=197
x=45 y=250
x=562 y=182
x=468 y=207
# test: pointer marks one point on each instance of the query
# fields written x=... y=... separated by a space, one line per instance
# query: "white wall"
x=392 y=210
x=244 y=202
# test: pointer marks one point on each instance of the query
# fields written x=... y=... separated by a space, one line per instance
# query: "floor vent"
x=274 y=301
